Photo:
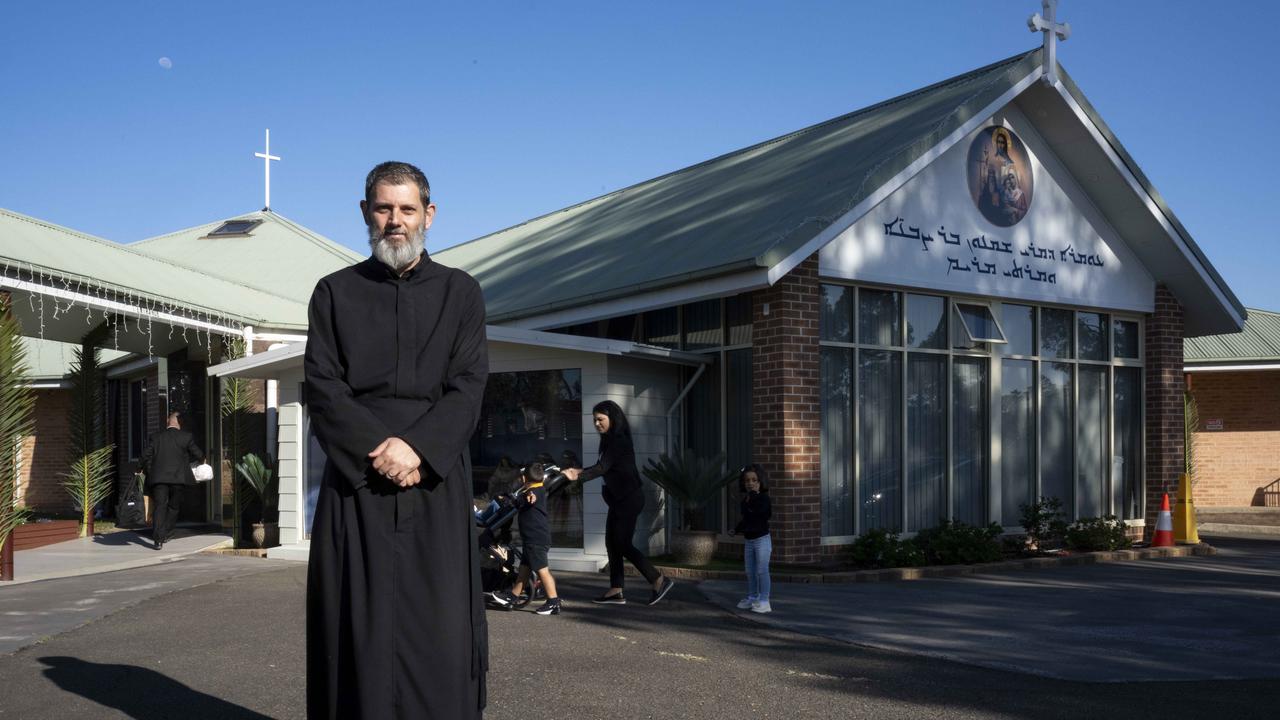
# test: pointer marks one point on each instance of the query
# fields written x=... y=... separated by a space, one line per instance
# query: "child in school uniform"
x=535 y=536
x=754 y=527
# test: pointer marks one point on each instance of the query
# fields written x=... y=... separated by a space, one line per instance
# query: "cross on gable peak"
x=1053 y=32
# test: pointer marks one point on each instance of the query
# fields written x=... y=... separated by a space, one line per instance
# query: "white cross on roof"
x=267 y=157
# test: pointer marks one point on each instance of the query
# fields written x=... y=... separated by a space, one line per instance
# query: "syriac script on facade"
x=986 y=257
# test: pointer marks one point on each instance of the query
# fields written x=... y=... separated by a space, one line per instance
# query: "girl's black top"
x=617 y=464
x=756 y=511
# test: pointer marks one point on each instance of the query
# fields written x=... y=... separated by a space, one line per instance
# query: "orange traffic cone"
x=1164 y=526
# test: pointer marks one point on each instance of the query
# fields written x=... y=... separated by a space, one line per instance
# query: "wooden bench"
x=38 y=534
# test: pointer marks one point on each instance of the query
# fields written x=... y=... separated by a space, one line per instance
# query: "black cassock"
x=395 y=620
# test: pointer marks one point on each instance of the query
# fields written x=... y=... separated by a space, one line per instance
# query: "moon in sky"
x=166 y=63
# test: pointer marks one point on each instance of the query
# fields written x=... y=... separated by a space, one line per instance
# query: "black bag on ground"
x=131 y=512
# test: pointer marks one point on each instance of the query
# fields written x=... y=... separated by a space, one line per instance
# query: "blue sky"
x=516 y=109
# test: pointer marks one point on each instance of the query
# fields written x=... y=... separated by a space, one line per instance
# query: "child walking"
x=535 y=536
x=754 y=526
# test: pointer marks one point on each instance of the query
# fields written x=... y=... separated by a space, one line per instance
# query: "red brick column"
x=786 y=409
x=1164 y=385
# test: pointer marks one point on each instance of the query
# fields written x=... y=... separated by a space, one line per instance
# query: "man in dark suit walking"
x=167 y=463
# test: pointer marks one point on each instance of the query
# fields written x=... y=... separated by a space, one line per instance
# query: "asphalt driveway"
x=1199 y=618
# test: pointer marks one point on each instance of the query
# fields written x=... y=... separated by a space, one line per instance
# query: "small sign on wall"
x=1214 y=424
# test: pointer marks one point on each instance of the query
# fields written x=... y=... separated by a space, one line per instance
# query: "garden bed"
x=38 y=534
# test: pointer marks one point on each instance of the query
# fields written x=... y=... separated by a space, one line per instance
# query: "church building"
x=935 y=308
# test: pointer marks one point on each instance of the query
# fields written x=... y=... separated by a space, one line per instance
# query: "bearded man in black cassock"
x=395 y=370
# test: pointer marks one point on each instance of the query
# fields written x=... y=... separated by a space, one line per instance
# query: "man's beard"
x=396 y=255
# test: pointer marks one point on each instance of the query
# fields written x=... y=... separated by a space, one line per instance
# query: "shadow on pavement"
x=125 y=537
x=138 y=692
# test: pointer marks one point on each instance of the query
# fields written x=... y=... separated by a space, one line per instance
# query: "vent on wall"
x=235 y=227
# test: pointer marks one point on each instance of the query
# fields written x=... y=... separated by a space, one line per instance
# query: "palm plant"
x=89 y=478
x=17 y=402
x=259 y=477
x=691 y=480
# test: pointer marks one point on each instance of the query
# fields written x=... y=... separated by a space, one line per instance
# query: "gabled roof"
x=745 y=210
x=31 y=245
x=1258 y=341
x=768 y=206
x=278 y=255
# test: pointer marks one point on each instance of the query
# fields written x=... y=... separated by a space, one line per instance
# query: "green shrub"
x=1044 y=523
x=1104 y=533
x=959 y=544
x=882 y=549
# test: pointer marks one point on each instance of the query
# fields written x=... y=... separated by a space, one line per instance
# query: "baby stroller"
x=500 y=557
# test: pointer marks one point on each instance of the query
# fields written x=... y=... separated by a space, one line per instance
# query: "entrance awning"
x=272 y=363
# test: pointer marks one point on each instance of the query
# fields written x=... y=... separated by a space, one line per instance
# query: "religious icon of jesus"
x=1000 y=178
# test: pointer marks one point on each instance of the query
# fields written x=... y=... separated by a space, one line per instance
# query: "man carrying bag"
x=167 y=463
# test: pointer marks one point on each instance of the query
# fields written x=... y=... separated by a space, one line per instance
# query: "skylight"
x=235 y=227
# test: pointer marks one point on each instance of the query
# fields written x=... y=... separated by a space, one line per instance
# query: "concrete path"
x=104 y=553
x=1181 y=619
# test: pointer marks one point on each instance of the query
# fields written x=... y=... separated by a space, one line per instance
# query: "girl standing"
x=754 y=526
x=623 y=494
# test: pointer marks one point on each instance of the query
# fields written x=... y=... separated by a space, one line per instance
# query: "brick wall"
x=1235 y=462
x=45 y=454
x=786 y=410
x=1164 y=385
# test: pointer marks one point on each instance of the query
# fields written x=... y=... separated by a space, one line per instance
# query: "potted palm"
x=259 y=477
x=692 y=481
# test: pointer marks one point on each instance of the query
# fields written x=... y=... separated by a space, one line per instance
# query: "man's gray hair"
x=397 y=173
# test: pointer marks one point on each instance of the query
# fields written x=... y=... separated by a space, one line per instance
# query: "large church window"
x=837 y=441
x=835 y=315
x=880 y=439
x=1011 y=408
x=1057 y=433
x=879 y=317
x=926 y=440
x=1017 y=438
x=1055 y=333
x=1019 y=323
x=926 y=322
x=1092 y=335
x=1126 y=339
x=970 y=440
x=1127 y=456
x=1092 y=442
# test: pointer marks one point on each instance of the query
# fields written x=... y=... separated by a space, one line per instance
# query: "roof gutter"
x=1232 y=368
x=116 y=306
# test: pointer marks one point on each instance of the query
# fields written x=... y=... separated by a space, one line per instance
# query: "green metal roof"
x=287 y=258
x=1260 y=340
x=755 y=207
x=51 y=360
x=747 y=209
x=31 y=245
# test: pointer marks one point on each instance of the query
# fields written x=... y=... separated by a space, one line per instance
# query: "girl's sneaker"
x=551 y=607
x=746 y=603
x=761 y=606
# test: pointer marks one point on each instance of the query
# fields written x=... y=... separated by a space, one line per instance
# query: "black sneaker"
x=661 y=592
x=551 y=607
x=501 y=599
x=610 y=600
